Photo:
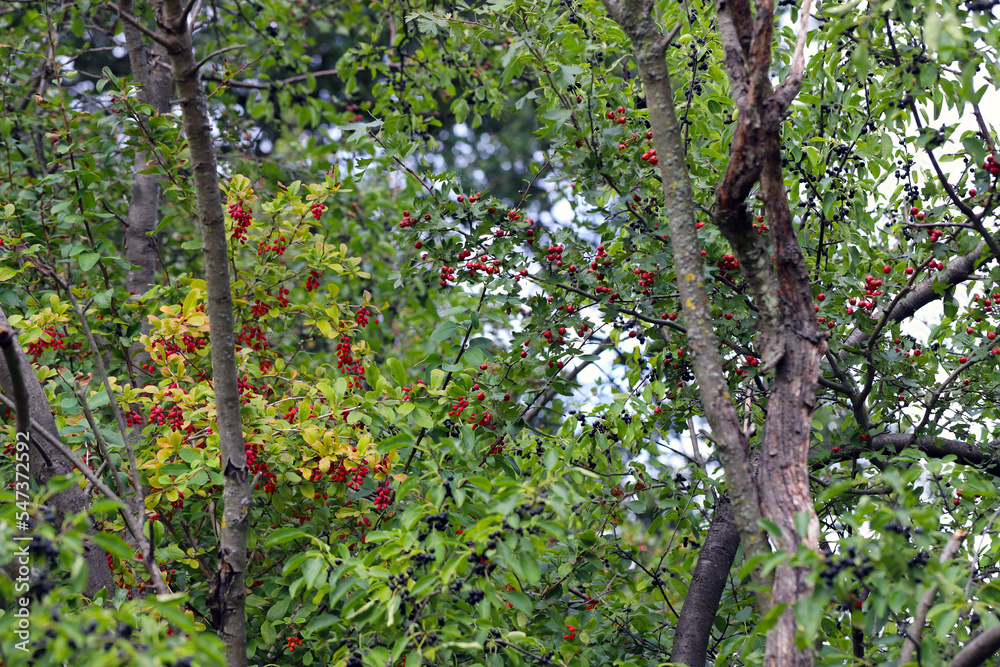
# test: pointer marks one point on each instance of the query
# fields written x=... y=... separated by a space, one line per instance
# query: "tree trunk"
x=229 y=586
x=694 y=627
x=73 y=500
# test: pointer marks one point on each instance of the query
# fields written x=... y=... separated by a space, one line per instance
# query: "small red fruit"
x=480 y=396
x=820 y=297
x=962 y=360
x=886 y=269
x=418 y=245
x=914 y=210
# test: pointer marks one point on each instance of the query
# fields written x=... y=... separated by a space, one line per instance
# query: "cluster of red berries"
x=170 y=348
x=872 y=285
x=447 y=273
x=600 y=259
x=530 y=233
x=570 y=633
x=554 y=254
x=481 y=265
x=356 y=477
x=646 y=278
x=133 y=418
x=292 y=642
x=54 y=342
x=759 y=225
x=485 y=420
x=252 y=336
x=867 y=305
x=362 y=316
x=282 y=297
x=553 y=340
x=936 y=264
x=317 y=210
x=260 y=308
x=241 y=221
x=258 y=465
x=727 y=262
x=617 y=117
x=407 y=221
x=179 y=503
x=312 y=282
x=192 y=344
x=245 y=388
x=175 y=418
x=345 y=362
x=456 y=410
x=990 y=165
x=279 y=246
x=384 y=496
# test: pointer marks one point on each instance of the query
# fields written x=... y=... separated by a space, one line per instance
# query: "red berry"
x=480 y=396
x=418 y=245
x=962 y=360
x=914 y=210
x=886 y=269
x=820 y=297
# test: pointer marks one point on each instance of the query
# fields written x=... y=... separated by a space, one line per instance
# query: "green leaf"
x=444 y=331
x=112 y=544
x=88 y=260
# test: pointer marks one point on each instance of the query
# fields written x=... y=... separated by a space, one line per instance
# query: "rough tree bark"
x=790 y=340
x=143 y=211
x=228 y=589
x=734 y=452
x=43 y=467
x=694 y=627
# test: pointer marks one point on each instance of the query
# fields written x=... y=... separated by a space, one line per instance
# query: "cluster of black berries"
x=898 y=528
x=424 y=557
x=452 y=428
x=475 y=596
x=920 y=559
x=434 y=522
x=490 y=646
x=355 y=660
x=525 y=510
x=481 y=565
x=41 y=546
x=834 y=566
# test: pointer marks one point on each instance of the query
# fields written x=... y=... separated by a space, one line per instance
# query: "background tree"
x=562 y=333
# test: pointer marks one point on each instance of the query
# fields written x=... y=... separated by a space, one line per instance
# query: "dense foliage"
x=470 y=416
